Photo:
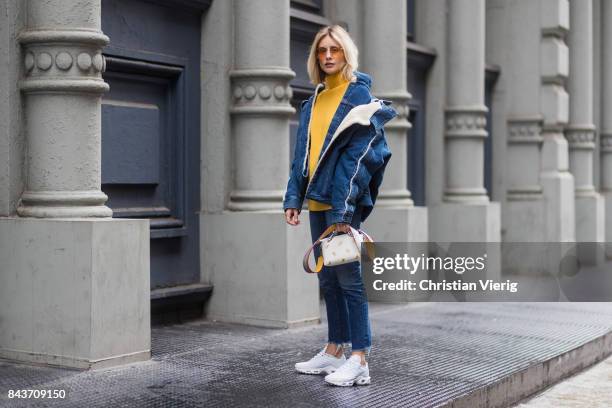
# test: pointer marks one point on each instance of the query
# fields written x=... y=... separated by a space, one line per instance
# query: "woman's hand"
x=343 y=228
x=291 y=216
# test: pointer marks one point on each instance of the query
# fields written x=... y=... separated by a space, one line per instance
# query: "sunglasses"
x=334 y=51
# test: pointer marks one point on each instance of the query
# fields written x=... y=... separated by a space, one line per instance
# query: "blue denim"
x=345 y=296
x=352 y=162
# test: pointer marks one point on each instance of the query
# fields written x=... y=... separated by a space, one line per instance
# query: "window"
x=313 y=6
x=411 y=18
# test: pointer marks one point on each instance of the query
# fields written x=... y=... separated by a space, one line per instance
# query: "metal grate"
x=424 y=355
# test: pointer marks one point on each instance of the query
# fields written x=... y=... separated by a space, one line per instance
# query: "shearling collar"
x=361 y=114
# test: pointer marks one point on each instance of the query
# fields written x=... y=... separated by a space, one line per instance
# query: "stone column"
x=580 y=132
x=512 y=47
x=523 y=216
x=64 y=258
x=466 y=214
x=384 y=57
x=465 y=110
x=63 y=84
x=606 y=118
x=557 y=181
x=261 y=91
x=534 y=64
x=253 y=258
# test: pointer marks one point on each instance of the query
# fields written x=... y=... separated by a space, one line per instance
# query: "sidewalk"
x=424 y=355
x=591 y=388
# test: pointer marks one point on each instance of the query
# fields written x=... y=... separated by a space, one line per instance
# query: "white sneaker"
x=351 y=372
x=321 y=363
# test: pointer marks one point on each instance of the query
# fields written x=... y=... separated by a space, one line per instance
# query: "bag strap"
x=367 y=241
x=319 y=266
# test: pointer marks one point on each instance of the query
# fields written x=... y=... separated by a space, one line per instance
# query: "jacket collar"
x=376 y=112
x=361 y=78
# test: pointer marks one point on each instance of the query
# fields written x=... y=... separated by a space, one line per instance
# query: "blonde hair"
x=351 y=54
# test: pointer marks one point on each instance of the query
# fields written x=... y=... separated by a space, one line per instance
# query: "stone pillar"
x=534 y=64
x=60 y=266
x=606 y=118
x=386 y=25
x=252 y=257
x=524 y=142
x=557 y=181
x=384 y=57
x=466 y=214
x=63 y=84
x=465 y=111
x=261 y=91
x=580 y=132
x=513 y=48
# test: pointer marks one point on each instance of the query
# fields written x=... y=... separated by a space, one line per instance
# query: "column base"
x=84 y=286
x=407 y=225
x=100 y=211
x=254 y=261
x=394 y=199
x=590 y=227
x=64 y=204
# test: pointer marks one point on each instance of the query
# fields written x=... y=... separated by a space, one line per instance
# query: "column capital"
x=580 y=137
x=262 y=90
x=466 y=122
x=72 y=36
x=400 y=101
x=525 y=130
x=63 y=60
x=606 y=142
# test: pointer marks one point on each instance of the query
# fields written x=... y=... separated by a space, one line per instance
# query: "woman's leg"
x=350 y=280
x=335 y=304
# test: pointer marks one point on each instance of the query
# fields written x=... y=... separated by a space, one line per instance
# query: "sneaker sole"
x=357 y=381
x=316 y=371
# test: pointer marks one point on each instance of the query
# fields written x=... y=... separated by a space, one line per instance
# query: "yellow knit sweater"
x=323 y=111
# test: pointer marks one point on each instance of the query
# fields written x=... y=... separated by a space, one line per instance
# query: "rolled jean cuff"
x=366 y=350
x=344 y=344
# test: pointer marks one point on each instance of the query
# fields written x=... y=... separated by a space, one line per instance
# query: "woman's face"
x=330 y=56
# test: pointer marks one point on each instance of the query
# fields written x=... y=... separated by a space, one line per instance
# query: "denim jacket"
x=353 y=157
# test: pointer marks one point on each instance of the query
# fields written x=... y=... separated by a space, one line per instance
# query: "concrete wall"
x=217 y=58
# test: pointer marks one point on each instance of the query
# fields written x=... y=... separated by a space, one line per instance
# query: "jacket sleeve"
x=363 y=155
x=294 y=195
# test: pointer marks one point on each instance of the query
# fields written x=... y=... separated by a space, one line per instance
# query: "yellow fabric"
x=323 y=111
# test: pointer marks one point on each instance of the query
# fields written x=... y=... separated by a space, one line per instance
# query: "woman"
x=338 y=165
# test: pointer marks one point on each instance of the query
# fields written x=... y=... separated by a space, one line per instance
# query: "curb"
x=540 y=375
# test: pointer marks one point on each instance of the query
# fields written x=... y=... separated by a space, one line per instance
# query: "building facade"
x=145 y=147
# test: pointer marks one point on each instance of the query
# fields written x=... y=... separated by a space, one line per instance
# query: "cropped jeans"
x=345 y=296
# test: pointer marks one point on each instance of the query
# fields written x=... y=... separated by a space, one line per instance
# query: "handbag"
x=338 y=249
